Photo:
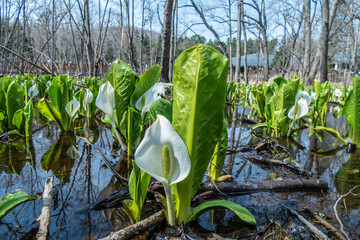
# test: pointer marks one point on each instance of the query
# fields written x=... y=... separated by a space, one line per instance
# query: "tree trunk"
x=172 y=43
x=90 y=50
x=165 y=39
x=230 y=44
x=324 y=41
x=307 y=43
x=316 y=62
x=238 y=43
x=245 y=43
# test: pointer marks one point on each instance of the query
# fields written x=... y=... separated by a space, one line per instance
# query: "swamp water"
x=82 y=176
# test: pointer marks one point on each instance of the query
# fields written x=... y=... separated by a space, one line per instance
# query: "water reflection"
x=80 y=177
x=348 y=177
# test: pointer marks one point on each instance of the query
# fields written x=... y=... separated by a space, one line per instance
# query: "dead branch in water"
x=313 y=229
x=137 y=228
x=45 y=215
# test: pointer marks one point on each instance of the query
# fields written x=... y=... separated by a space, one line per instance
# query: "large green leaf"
x=60 y=93
x=11 y=200
x=123 y=80
x=162 y=107
x=285 y=95
x=352 y=110
x=138 y=185
x=200 y=75
x=147 y=80
x=29 y=115
x=47 y=109
x=240 y=211
x=219 y=156
x=14 y=100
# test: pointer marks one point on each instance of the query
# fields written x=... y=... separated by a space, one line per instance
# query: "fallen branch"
x=313 y=229
x=326 y=224
x=34 y=64
x=137 y=228
x=230 y=188
x=281 y=164
x=336 y=213
x=45 y=215
x=267 y=185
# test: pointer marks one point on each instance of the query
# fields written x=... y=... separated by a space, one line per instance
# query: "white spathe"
x=151 y=95
x=72 y=107
x=105 y=99
x=88 y=98
x=33 y=91
x=148 y=155
x=337 y=93
x=302 y=110
x=303 y=94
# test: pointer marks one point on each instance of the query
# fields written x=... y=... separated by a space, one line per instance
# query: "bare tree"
x=165 y=39
x=238 y=42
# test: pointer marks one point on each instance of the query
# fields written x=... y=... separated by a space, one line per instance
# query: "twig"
x=34 y=64
x=313 y=229
x=326 y=224
x=336 y=213
x=117 y=175
x=45 y=215
x=137 y=228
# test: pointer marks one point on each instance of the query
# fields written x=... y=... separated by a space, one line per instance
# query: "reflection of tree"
x=348 y=177
x=60 y=158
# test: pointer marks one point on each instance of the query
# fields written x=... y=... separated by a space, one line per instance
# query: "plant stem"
x=117 y=134
x=169 y=203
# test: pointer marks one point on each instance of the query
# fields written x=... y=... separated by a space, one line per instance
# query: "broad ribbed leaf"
x=352 y=110
x=123 y=80
x=240 y=211
x=280 y=80
x=219 y=156
x=14 y=97
x=200 y=75
x=48 y=110
x=2 y=96
x=147 y=80
x=12 y=200
x=285 y=95
x=60 y=92
x=162 y=107
x=18 y=118
x=29 y=116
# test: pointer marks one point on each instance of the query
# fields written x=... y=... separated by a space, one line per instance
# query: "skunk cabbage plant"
x=151 y=95
x=33 y=91
x=105 y=101
x=200 y=75
x=164 y=156
x=299 y=110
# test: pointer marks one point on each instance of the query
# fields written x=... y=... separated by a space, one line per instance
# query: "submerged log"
x=233 y=188
x=267 y=185
x=45 y=215
x=137 y=228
